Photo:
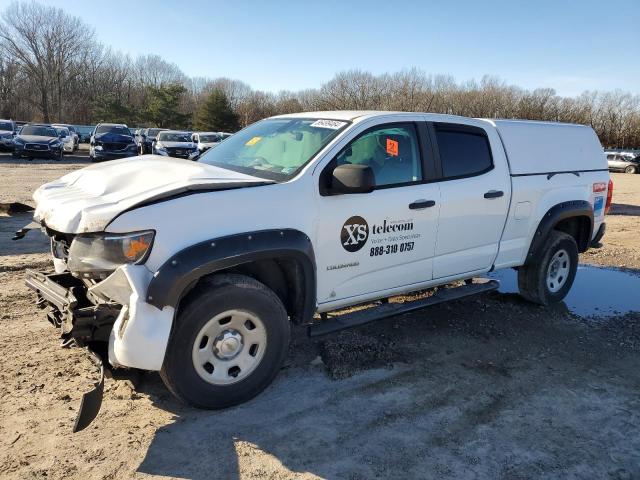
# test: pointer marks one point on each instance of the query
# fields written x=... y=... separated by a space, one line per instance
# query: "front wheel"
x=630 y=169
x=549 y=277
x=228 y=344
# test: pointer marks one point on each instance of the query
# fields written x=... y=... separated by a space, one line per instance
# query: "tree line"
x=53 y=69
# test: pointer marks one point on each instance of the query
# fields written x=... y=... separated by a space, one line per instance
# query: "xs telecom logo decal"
x=389 y=237
x=354 y=234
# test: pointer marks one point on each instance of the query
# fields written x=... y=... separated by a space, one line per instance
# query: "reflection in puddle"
x=595 y=292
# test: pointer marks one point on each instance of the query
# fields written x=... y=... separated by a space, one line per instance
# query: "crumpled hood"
x=88 y=199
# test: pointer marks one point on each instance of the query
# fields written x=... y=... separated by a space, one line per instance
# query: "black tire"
x=212 y=297
x=630 y=169
x=532 y=278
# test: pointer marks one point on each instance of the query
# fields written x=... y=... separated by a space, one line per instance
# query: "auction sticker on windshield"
x=253 y=141
x=332 y=124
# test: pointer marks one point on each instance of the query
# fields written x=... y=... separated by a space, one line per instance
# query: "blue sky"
x=569 y=45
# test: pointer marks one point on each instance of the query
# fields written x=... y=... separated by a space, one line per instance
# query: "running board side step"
x=386 y=310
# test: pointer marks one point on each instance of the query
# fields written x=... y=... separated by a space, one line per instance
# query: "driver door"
x=372 y=243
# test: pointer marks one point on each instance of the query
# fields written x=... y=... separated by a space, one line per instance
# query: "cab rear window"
x=464 y=150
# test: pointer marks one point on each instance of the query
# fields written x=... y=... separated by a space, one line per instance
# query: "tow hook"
x=92 y=400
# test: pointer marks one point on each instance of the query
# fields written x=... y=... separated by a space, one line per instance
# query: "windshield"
x=210 y=138
x=174 y=137
x=85 y=129
x=119 y=129
x=38 y=130
x=6 y=126
x=153 y=132
x=275 y=149
x=63 y=132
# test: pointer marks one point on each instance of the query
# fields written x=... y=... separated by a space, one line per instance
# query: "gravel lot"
x=487 y=387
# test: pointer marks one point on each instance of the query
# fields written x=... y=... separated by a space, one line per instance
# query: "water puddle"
x=596 y=291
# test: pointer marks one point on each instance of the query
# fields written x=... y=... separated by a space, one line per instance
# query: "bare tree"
x=46 y=43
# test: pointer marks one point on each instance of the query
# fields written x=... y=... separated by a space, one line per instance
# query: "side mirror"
x=351 y=178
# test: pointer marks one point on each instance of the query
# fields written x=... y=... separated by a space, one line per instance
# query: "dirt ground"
x=487 y=387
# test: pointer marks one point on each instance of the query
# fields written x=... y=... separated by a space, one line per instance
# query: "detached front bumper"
x=64 y=295
x=111 y=311
x=70 y=309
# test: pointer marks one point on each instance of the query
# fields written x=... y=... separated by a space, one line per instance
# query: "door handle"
x=420 y=204
x=494 y=194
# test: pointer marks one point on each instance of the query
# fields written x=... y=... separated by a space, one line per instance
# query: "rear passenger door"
x=475 y=189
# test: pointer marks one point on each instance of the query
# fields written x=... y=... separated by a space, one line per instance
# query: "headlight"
x=104 y=252
x=98 y=148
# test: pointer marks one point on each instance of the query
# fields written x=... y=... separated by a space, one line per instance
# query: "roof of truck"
x=352 y=115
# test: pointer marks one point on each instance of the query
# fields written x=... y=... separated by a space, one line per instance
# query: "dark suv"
x=110 y=141
x=37 y=140
x=147 y=137
x=7 y=132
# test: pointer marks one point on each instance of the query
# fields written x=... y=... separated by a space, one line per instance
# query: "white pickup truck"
x=197 y=269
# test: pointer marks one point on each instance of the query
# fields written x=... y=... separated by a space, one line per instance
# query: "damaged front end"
x=96 y=298
x=80 y=323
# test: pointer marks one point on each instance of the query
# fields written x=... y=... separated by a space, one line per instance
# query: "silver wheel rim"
x=229 y=347
x=558 y=270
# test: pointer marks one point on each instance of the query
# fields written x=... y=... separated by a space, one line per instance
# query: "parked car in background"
x=72 y=132
x=38 y=140
x=626 y=162
x=7 y=132
x=110 y=141
x=84 y=132
x=172 y=143
x=147 y=137
x=67 y=139
x=206 y=140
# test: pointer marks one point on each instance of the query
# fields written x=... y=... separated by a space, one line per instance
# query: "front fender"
x=183 y=269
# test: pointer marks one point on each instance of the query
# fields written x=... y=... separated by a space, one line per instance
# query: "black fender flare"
x=557 y=213
x=182 y=270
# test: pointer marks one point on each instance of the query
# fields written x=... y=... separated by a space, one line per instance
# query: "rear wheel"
x=549 y=277
x=229 y=343
x=630 y=169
